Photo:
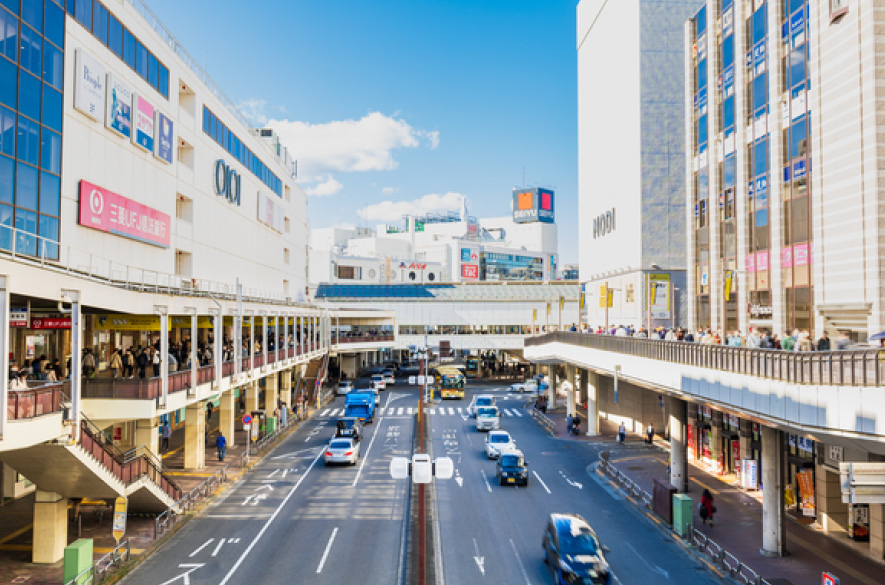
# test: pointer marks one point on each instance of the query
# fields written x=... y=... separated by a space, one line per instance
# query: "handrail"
x=34 y=402
x=856 y=367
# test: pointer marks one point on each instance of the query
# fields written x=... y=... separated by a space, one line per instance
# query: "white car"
x=478 y=401
x=377 y=396
x=530 y=386
x=344 y=387
x=389 y=380
x=498 y=442
x=378 y=382
x=342 y=450
x=487 y=418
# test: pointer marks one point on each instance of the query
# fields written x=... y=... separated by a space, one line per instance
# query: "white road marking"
x=400 y=411
x=328 y=548
x=325 y=412
x=570 y=482
x=201 y=547
x=517 y=413
x=507 y=412
x=269 y=521
x=460 y=410
x=521 y=566
x=654 y=568
x=363 y=462
x=410 y=410
x=479 y=560
x=185 y=578
x=429 y=410
x=543 y=485
x=238 y=516
x=218 y=547
x=486 y=480
x=451 y=411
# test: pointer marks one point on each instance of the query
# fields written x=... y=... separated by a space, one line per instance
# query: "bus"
x=472 y=367
x=449 y=382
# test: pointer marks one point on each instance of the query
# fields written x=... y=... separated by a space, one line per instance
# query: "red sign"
x=109 y=212
x=829 y=579
x=469 y=271
x=51 y=323
x=736 y=456
x=692 y=445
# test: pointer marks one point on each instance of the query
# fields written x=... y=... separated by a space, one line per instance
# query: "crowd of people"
x=797 y=340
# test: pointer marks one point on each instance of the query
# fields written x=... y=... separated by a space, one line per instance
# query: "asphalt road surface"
x=292 y=520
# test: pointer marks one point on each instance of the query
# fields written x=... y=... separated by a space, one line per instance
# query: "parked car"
x=342 y=450
x=480 y=400
x=512 y=468
x=349 y=428
x=378 y=382
x=344 y=387
x=487 y=418
x=573 y=552
x=497 y=442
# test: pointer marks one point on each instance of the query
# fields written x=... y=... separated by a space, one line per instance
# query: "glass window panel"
x=9 y=75
x=728 y=171
x=115 y=35
x=797 y=66
x=7 y=179
x=728 y=112
x=799 y=220
x=8 y=36
x=760 y=158
x=31 y=49
x=727 y=51
x=799 y=142
x=759 y=24
x=32 y=13
x=6 y=215
x=164 y=81
x=100 y=22
x=128 y=48
x=26 y=223
x=53 y=65
x=50 y=151
x=50 y=193
x=141 y=59
x=83 y=13
x=52 y=108
x=29 y=95
x=702 y=73
x=7 y=131
x=153 y=73
x=760 y=91
x=12 y=5
x=28 y=140
x=796 y=5
x=701 y=20
x=70 y=6
x=54 y=29
x=26 y=186
x=48 y=237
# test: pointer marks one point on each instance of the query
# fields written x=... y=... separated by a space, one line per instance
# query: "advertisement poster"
x=706 y=451
x=806 y=492
x=165 y=136
x=736 y=456
x=659 y=296
x=859 y=522
x=692 y=445
x=18 y=317
x=109 y=212
x=143 y=114
x=118 y=117
x=88 y=85
x=748 y=474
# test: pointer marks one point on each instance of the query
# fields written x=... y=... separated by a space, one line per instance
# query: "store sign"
x=88 y=85
x=659 y=296
x=109 y=212
x=531 y=205
x=604 y=224
x=125 y=322
x=413 y=265
x=835 y=454
x=18 y=317
x=118 y=117
x=469 y=271
x=468 y=255
x=227 y=182
x=143 y=134
x=761 y=310
x=749 y=472
x=163 y=144
x=51 y=323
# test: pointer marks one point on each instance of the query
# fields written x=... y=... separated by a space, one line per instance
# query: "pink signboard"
x=51 y=323
x=751 y=263
x=800 y=254
x=788 y=257
x=762 y=261
x=109 y=212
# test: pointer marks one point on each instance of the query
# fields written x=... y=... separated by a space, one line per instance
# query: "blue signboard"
x=799 y=169
x=163 y=142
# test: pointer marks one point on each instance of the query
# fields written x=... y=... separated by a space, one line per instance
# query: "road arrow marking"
x=570 y=482
x=459 y=479
x=201 y=547
x=186 y=580
x=479 y=560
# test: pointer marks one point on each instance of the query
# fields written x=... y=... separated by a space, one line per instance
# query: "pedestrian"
x=707 y=509
x=649 y=434
x=155 y=361
x=844 y=341
x=823 y=344
x=141 y=359
x=116 y=364
x=167 y=432
x=128 y=363
x=622 y=433
x=208 y=413
x=569 y=422
x=88 y=364
x=221 y=445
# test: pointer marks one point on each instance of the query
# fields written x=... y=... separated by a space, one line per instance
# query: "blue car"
x=573 y=552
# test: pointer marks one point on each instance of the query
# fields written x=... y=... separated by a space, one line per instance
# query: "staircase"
x=316 y=370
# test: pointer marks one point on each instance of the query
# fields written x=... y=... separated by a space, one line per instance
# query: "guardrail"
x=859 y=367
x=720 y=557
x=98 y=571
x=541 y=418
x=24 y=404
x=170 y=516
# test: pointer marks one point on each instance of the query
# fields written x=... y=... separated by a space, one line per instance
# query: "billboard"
x=533 y=205
x=106 y=211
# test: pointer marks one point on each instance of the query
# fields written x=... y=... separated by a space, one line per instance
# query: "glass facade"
x=495 y=266
x=701 y=186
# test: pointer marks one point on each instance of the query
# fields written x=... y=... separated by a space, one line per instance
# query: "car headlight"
x=564 y=567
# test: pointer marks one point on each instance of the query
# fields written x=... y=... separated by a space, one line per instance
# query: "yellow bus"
x=449 y=382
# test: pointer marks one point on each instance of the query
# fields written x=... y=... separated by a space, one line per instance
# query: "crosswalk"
x=410 y=410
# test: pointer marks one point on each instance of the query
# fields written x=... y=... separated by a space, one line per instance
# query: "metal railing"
x=625 y=483
x=24 y=404
x=363 y=338
x=170 y=516
x=541 y=418
x=858 y=367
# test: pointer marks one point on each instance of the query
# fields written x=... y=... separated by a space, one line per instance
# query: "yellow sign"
x=548 y=307
x=729 y=281
x=534 y=315
x=561 y=303
x=659 y=296
x=581 y=297
x=119 y=529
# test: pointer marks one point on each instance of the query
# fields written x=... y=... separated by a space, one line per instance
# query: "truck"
x=360 y=404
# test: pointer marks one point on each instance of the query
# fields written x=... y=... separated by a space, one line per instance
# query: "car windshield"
x=345 y=424
x=339 y=445
x=499 y=439
x=512 y=461
x=578 y=541
x=487 y=412
x=483 y=401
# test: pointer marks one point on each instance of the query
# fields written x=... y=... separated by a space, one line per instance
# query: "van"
x=487 y=418
x=480 y=400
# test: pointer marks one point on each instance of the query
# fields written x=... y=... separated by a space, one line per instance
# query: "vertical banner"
x=692 y=444
x=118 y=117
x=806 y=492
x=88 y=84
x=143 y=114
x=163 y=147
x=659 y=296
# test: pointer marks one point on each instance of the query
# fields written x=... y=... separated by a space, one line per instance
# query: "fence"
x=721 y=558
x=860 y=367
x=541 y=418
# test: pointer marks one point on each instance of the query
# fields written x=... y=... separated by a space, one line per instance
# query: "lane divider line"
x=328 y=548
x=538 y=477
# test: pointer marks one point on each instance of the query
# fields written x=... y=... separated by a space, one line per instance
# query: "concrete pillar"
x=227 y=416
x=147 y=433
x=195 y=436
x=551 y=388
x=746 y=440
x=678 y=458
x=251 y=390
x=50 y=527
x=877 y=531
x=716 y=441
x=832 y=514
x=570 y=387
x=774 y=530
x=286 y=387
x=271 y=392
x=590 y=381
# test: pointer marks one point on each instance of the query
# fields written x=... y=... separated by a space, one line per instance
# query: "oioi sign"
x=227 y=182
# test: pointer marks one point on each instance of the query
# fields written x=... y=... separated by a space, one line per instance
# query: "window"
x=164 y=81
x=760 y=158
x=31 y=48
x=797 y=66
x=129 y=48
x=702 y=73
x=8 y=72
x=28 y=140
x=53 y=66
x=7 y=133
x=153 y=77
x=54 y=30
x=348 y=272
x=32 y=13
x=729 y=169
x=727 y=51
x=49 y=193
x=799 y=136
x=141 y=59
x=8 y=36
x=728 y=112
x=7 y=173
x=115 y=36
x=759 y=24
x=52 y=108
x=760 y=91
x=26 y=186
x=50 y=151
x=100 y=23
x=83 y=13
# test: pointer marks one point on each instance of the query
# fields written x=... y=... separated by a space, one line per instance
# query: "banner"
x=106 y=211
x=163 y=145
x=125 y=322
x=806 y=492
x=89 y=81
x=659 y=296
x=729 y=280
x=118 y=117
x=143 y=115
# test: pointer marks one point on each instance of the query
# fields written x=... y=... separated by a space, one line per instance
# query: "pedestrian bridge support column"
x=551 y=387
x=286 y=388
x=774 y=531
x=147 y=434
x=50 y=527
x=678 y=455
x=590 y=381
x=571 y=387
x=251 y=390
x=195 y=436
x=877 y=531
x=271 y=393
x=227 y=415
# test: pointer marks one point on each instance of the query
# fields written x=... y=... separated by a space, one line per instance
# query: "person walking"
x=622 y=433
x=823 y=344
x=167 y=432
x=155 y=361
x=649 y=434
x=88 y=365
x=221 y=445
x=116 y=364
x=707 y=508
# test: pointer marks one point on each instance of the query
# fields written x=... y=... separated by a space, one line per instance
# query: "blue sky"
x=394 y=106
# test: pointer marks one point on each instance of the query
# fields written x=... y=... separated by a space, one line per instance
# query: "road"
x=292 y=520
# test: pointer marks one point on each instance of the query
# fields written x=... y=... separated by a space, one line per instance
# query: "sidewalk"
x=738 y=525
x=16 y=534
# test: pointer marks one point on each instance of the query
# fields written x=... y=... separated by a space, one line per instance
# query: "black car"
x=573 y=552
x=512 y=468
x=349 y=427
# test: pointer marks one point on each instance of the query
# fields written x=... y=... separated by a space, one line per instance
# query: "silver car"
x=342 y=450
x=487 y=418
x=344 y=387
x=498 y=442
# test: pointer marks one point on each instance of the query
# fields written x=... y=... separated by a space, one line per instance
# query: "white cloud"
x=255 y=111
x=394 y=210
x=367 y=144
x=388 y=190
x=328 y=187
